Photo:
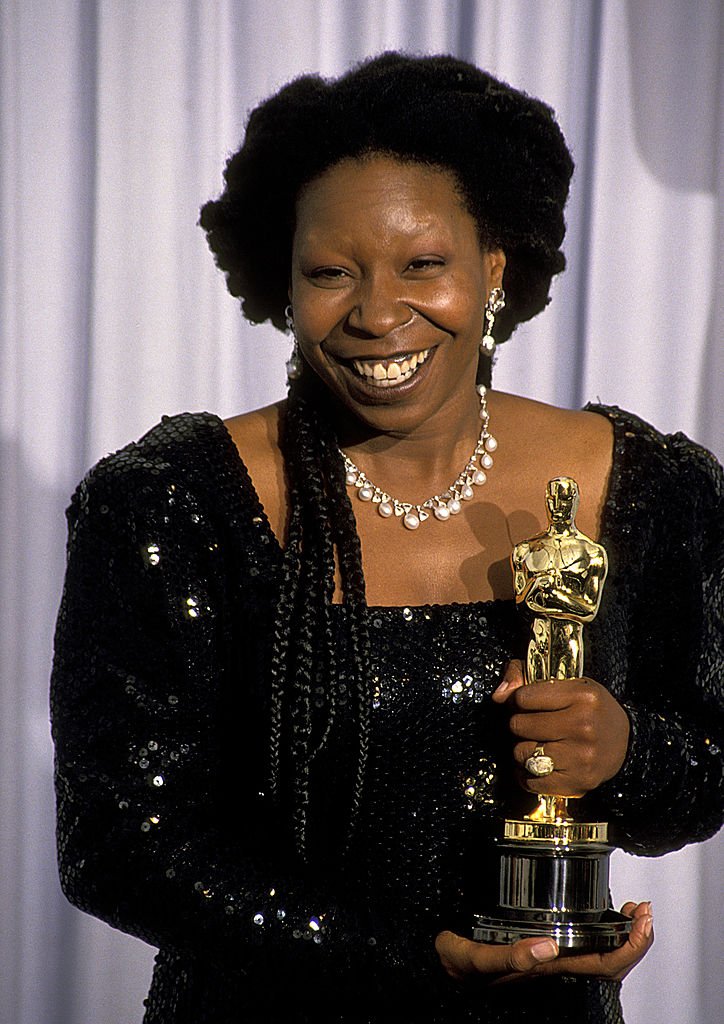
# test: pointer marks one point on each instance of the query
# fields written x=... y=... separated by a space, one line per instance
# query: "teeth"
x=390 y=372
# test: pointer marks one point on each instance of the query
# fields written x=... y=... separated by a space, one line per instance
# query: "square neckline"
x=609 y=506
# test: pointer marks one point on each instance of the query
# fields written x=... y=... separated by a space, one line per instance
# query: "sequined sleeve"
x=145 y=830
x=670 y=790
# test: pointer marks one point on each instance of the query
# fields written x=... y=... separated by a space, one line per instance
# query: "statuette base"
x=561 y=833
x=554 y=889
x=607 y=932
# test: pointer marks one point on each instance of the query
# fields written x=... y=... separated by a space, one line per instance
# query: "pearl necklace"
x=443 y=505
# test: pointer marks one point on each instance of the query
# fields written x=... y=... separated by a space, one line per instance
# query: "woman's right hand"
x=464 y=959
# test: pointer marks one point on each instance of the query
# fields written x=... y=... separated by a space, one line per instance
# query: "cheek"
x=455 y=305
x=317 y=311
x=314 y=323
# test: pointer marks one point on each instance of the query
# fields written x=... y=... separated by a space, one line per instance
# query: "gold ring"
x=539 y=764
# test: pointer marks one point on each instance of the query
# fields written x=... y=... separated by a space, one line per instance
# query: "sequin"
x=152 y=552
x=134 y=672
x=480 y=786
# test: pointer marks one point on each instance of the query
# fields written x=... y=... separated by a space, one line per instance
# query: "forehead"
x=381 y=193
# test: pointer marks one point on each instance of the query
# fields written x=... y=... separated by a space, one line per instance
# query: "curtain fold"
x=115 y=122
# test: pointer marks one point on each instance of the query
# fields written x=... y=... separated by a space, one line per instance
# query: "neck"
x=421 y=461
x=562 y=529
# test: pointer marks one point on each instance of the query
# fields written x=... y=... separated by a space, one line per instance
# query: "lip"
x=372 y=394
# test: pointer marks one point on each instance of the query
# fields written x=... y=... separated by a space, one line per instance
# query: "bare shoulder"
x=256 y=433
x=539 y=442
x=549 y=423
x=256 y=436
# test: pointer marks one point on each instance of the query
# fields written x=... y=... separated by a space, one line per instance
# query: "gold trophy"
x=554 y=870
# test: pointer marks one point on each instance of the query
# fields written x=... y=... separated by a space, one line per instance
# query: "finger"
x=519 y=958
x=553 y=694
x=557 y=782
x=461 y=957
x=512 y=680
x=541 y=726
x=616 y=964
x=641 y=936
x=556 y=752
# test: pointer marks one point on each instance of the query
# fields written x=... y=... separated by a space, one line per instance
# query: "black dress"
x=160 y=721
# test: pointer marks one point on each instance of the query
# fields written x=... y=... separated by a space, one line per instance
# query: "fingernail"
x=546 y=950
x=648 y=926
x=503 y=687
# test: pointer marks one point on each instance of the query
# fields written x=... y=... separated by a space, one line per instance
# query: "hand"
x=585 y=730
x=463 y=959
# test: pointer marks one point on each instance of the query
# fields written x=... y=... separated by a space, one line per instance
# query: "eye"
x=426 y=263
x=327 y=273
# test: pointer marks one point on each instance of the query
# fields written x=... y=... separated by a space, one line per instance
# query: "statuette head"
x=562 y=499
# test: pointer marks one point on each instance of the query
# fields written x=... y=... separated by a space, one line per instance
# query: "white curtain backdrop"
x=115 y=120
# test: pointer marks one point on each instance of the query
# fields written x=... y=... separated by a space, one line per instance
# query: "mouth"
x=389 y=373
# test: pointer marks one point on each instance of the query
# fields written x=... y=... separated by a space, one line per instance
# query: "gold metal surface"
x=558 y=575
x=559 y=832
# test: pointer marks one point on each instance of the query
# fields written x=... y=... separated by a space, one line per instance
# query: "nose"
x=379 y=307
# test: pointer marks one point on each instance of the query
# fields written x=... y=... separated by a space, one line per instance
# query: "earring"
x=294 y=362
x=496 y=302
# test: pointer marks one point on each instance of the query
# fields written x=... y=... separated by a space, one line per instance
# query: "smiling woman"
x=287 y=699
x=388 y=287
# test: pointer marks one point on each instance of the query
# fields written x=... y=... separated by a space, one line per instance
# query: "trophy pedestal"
x=554 y=884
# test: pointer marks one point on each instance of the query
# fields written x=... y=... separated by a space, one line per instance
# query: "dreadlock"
x=321 y=532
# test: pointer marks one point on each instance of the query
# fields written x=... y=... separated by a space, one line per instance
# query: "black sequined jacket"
x=159 y=718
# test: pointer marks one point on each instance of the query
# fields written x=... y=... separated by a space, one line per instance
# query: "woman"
x=287 y=719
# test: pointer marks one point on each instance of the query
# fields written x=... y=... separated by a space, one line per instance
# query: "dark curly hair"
x=504 y=148
x=512 y=168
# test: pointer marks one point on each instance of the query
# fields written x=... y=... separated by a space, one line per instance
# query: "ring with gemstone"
x=539 y=764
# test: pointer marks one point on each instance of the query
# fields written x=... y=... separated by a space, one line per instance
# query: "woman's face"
x=388 y=288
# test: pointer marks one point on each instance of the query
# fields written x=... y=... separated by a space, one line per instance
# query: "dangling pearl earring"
x=295 y=365
x=495 y=303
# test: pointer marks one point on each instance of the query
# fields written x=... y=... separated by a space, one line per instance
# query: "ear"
x=495 y=266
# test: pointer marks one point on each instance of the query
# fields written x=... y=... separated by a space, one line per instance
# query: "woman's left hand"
x=464 y=959
x=583 y=729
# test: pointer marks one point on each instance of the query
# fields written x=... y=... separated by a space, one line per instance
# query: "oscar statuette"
x=554 y=870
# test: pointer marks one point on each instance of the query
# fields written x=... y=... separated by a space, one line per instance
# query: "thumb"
x=512 y=680
x=518 y=958
x=462 y=957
